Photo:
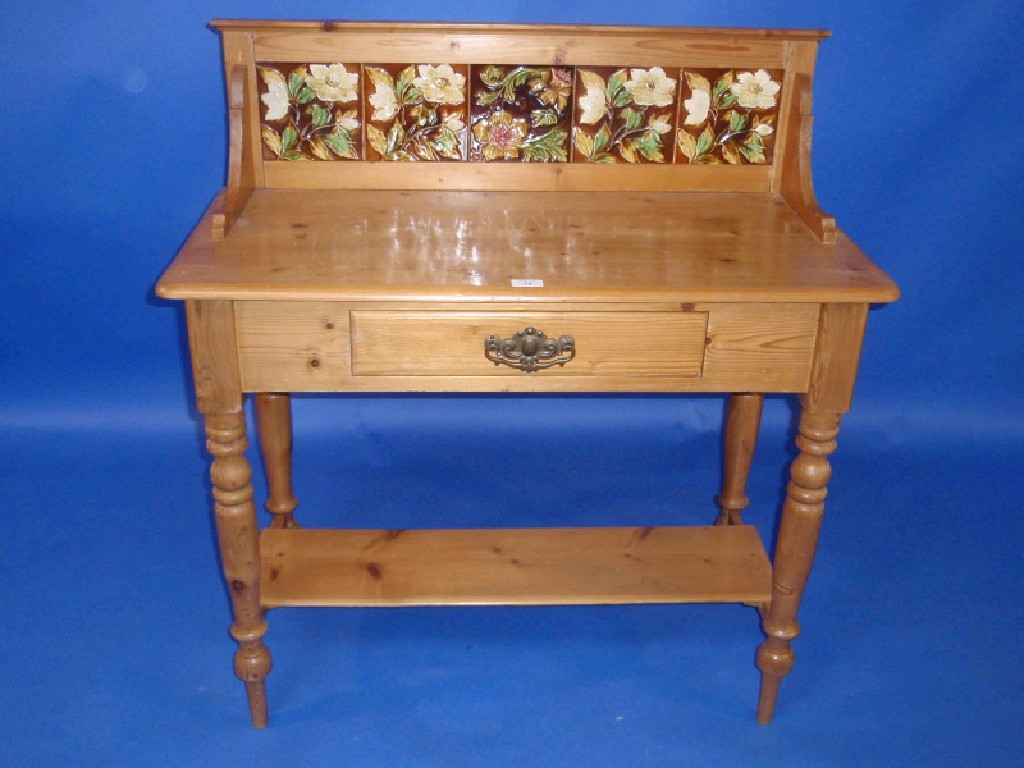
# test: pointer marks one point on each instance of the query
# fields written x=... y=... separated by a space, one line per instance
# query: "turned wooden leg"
x=238 y=535
x=742 y=423
x=794 y=551
x=274 y=419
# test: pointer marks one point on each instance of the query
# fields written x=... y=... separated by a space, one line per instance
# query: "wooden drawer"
x=426 y=343
x=323 y=346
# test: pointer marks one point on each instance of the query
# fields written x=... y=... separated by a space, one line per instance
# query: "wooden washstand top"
x=453 y=246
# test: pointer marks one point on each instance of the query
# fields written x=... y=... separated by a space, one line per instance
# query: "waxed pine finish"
x=516 y=208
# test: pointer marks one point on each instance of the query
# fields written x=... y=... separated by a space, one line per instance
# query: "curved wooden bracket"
x=241 y=178
x=797 y=185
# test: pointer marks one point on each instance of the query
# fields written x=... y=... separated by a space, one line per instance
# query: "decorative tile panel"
x=517 y=113
x=415 y=111
x=310 y=111
x=521 y=113
x=625 y=115
x=728 y=116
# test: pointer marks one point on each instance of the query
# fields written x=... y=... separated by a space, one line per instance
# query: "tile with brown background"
x=415 y=111
x=625 y=115
x=520 y=113
x=310 y=111
x=728 y=116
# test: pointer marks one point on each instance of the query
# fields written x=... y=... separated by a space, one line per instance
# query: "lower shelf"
x=513 y=566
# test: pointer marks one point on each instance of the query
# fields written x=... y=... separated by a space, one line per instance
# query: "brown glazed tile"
x=415 y=111
x=520 y=113
x=625 y=115
x=728 y=116
x=310 y=111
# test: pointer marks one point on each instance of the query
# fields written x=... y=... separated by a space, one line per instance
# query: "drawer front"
x=423 y=343
x=323 y=346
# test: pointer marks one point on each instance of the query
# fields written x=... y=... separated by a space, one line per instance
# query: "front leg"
x=794 y=551
x=238 y=535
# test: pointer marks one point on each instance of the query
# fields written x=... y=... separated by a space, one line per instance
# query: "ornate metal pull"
x=529 y=350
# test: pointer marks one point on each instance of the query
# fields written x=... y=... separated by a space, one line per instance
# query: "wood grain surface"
x=459 y=246
x=513 y=566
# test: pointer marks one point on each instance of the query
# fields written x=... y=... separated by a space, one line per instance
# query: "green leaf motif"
x=340 y=143
x=293 y=155
x=486 y=98
x=615 y=84
x=321 y=116
x=516 y=78
x=405 y=91
x=753 y=149
x=548 y=147
x=542 y=117
x=296 y=81
x=305 y=95
x=737 y=121
x=633 y=118
x=704 y=143
x=650 y=147
x=492 y=76
x=396 y=138
x=447 y=143
x=722 y=85
x=623 y=98
x=411 y=95
x=601 y=139
x=289 y=138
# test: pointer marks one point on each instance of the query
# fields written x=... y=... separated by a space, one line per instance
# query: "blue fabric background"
x=113 y=648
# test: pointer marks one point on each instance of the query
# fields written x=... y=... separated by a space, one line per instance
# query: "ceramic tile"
x=415 y=111
x=625 y=115
x=310 y=111
x=521 y=113
x=728 y=116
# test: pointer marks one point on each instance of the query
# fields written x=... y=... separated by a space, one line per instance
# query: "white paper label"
x=525 y=282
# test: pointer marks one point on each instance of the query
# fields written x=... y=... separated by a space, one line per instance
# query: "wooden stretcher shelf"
x=509 y=566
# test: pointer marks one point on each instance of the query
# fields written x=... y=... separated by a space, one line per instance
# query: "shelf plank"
x=513 y=566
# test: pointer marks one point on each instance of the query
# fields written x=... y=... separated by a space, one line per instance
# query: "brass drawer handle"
x=529 y=350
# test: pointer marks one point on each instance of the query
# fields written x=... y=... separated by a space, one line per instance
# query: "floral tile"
x=415 y=111
x=732 y=121
x=624 y=115
x=310 y=111
x=521 y=113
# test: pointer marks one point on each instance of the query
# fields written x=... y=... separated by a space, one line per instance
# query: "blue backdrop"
x=113 y=650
